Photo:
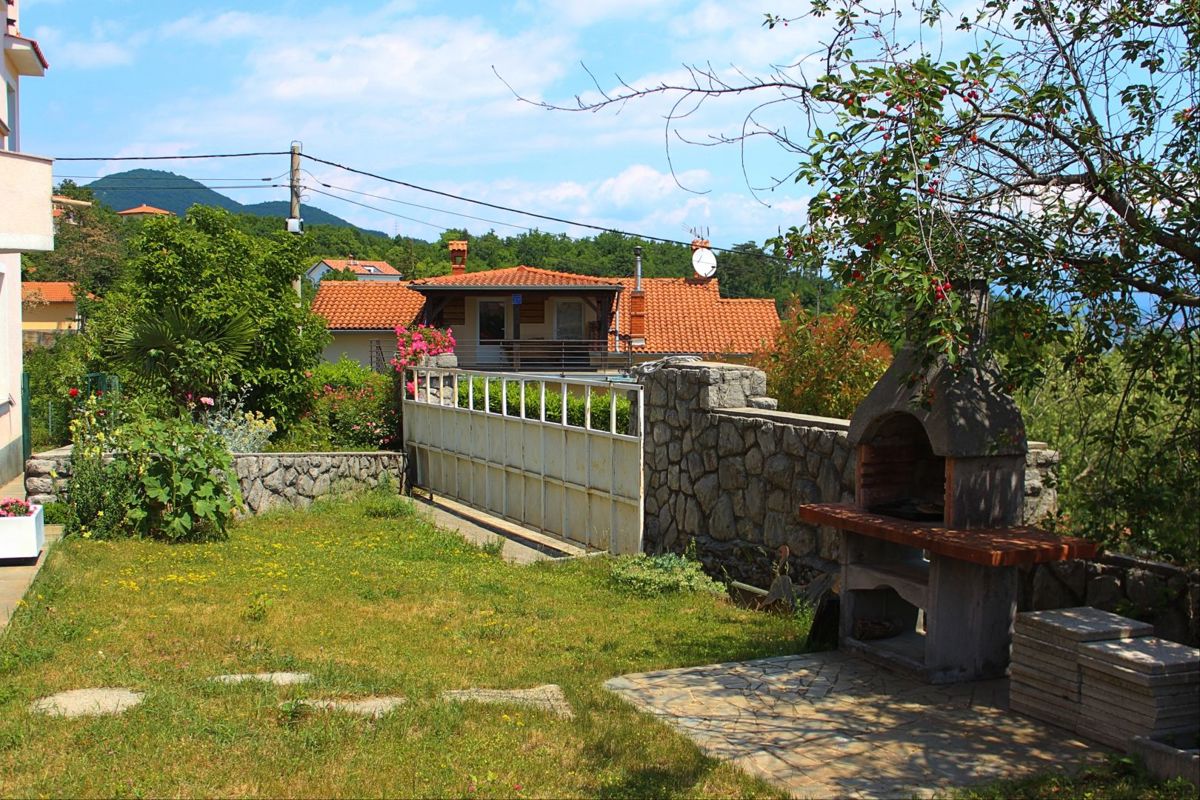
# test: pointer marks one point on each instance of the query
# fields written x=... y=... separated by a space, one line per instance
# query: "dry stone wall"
x=267 y=480
x=725 y=470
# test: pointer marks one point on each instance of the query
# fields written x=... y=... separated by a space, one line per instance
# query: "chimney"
x=458 y=257
x=637 y=304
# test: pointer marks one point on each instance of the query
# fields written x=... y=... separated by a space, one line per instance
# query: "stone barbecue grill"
x=936 y=526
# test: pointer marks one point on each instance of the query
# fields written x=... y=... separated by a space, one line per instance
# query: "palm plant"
x=183 y=355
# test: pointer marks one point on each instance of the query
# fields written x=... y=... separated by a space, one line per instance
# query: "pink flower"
x=208 y=401
x=412 y=389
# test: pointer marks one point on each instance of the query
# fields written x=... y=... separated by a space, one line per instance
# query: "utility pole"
x=293 y=222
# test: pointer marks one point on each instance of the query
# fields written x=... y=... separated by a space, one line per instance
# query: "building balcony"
x=26 y=221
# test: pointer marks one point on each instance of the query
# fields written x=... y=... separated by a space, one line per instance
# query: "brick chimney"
x=458 y=257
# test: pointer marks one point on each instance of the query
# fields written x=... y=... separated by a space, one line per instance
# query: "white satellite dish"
x=704 y=262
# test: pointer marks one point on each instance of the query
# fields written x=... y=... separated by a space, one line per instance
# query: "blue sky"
x=407 y=90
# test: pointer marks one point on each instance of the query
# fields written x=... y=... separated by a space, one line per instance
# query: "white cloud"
x=98 y=53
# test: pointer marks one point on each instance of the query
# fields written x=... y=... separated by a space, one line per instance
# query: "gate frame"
x=435 y=386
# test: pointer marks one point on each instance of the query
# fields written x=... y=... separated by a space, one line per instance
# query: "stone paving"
x=548 y=697
x=833 y=725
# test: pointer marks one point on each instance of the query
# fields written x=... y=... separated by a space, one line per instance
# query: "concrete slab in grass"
x=87 y=702
x=276 y=678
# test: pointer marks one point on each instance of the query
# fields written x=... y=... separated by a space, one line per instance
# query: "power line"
x=416 y=187
x=511 y=210
x=173 y=158
x=186 y=188
x=169 y=178
x=375 y=208
x=418 y=205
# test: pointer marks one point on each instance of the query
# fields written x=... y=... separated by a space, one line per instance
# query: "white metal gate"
x=559 y=455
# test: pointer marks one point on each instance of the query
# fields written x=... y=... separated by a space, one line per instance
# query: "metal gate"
x=560 y=455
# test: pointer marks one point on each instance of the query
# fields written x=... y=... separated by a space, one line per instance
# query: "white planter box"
x=22 y=537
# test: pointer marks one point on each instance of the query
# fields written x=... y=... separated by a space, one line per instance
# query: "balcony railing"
x=526 y=355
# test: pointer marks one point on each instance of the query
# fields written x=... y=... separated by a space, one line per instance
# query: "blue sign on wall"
x=516 y=299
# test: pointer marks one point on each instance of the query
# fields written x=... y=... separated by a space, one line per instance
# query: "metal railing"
x=540 y=355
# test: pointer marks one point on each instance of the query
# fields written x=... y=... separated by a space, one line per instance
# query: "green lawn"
x=371 y=600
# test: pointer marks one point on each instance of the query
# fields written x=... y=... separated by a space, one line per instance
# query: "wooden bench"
x=965 y=582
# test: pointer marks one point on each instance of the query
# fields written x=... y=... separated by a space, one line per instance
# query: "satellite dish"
x=704 y=262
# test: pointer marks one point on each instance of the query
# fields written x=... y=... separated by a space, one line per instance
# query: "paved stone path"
x=86 y=702
x=277 y=678
x=548 y=697
x=833 y=725
x=374 y=707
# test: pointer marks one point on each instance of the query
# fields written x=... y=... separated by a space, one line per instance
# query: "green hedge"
x=601 y=403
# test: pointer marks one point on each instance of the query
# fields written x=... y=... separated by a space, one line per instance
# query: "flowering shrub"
x=414 y=344
x=352 y=409
x=822 y=365
x=12 y=507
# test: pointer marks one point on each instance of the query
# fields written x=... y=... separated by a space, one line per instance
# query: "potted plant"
x=22 y=534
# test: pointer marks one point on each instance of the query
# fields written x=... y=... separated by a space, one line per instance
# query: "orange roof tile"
x=360 y=267
x=685 y=315
x=367 y=305
x=682 y=315
x=528 y=277
x=48 y=291
x=143 y=209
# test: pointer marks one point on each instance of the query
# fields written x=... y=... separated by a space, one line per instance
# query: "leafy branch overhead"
x=1045 y=147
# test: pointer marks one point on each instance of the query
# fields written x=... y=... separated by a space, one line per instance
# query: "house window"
x=568 y=319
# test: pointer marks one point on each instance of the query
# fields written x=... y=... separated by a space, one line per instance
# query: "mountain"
x=178 y=193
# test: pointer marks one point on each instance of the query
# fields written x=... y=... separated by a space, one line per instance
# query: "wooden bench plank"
x=990 y=547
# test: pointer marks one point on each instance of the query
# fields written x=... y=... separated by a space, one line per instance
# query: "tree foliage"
x=822 y=364
x=89 y=246
x=211 y=278
x=1042 y=150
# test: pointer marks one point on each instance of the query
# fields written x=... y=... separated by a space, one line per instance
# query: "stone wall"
x=1162 y=594
x=727 y=471
x=267 y=480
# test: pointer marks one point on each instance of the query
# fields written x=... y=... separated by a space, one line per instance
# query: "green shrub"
x=576 y=405
x=650 y=576
x=183 y=482
x=353 y=408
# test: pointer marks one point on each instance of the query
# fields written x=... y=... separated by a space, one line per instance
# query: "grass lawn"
x=371 y=600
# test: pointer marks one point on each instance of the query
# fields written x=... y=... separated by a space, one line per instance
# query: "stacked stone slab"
x=1045 y=676
x=1145 y=687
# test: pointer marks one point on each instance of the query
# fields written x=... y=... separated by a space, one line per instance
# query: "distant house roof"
x=359 y=267
x=144 y=209
x=367 y=305
x=686 y=315
x=48 y=291
x=683 y=315
x=526 y=277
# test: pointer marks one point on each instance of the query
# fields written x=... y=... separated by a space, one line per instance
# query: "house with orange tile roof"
x=47 y=311
x=528 y=319
x=365 y=270
x=145 y=211
x=362 y=317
